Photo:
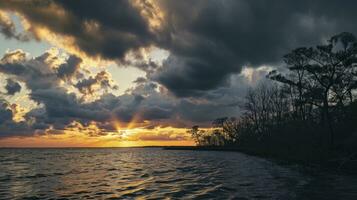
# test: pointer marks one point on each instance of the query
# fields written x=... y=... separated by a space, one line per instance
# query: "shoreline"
x=326 y=165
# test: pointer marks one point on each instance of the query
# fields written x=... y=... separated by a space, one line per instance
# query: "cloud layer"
x=210 y=45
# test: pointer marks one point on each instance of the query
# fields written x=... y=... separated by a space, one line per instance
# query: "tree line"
x=311 y=103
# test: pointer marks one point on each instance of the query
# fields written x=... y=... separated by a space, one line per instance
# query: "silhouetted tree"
x=195 y=133
x=323 y=77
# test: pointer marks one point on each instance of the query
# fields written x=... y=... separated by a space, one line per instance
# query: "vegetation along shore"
x=307 y=114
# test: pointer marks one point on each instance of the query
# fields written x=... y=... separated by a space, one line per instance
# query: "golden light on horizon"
x=135 y=137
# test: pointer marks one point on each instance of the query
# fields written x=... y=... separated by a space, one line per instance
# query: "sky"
x=141 y=72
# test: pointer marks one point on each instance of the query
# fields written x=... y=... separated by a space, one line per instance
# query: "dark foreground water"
x=152 y=173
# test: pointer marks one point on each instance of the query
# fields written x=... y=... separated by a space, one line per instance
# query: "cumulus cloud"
x=118 y=23
x=9 y=127
x=102 y=81
x=60 y=107
x=70 y=68
x=36 y=72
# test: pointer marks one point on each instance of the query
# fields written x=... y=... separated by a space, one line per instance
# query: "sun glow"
x=159 y=136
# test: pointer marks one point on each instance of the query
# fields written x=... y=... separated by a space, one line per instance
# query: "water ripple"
x=152 y=173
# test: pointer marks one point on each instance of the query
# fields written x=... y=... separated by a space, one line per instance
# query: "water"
x=152 y=173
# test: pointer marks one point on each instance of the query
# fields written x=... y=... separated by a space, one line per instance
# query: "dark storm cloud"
x=208 y=40
x=12 y=87
x=100 y=28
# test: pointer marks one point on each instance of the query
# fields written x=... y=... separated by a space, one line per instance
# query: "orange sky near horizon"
x=62 y=143
x=161 y=137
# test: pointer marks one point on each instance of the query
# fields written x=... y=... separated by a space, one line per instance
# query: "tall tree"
x=323 y=76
